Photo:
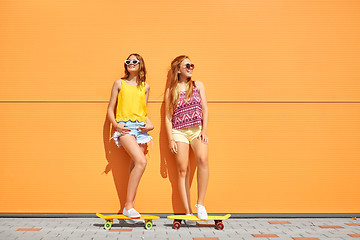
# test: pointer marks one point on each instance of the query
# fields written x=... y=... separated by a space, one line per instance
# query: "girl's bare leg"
x=201 y=153
x=137 y=168
x=132 y=165
x=182 y=161
x=187 y=187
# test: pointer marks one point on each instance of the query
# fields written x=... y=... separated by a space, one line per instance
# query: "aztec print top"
x=188 y=114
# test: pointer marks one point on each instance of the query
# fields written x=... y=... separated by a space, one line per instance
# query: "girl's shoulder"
x=118 y=82
x=198 y=84
x=147 y=86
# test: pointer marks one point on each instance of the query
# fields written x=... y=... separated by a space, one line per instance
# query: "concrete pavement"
x=235 y=228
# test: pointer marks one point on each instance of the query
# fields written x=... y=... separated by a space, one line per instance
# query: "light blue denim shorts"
x=141 y=138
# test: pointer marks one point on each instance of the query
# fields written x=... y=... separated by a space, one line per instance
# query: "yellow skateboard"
x=218 y=220
x=109 y=219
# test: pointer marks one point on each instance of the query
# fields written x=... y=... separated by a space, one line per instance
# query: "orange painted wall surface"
x=282 y=80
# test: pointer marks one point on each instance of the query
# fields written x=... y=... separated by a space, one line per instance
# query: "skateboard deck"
x=218 y=220
x=110 y=218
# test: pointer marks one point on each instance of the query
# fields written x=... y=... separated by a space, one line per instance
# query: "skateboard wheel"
x=107 y=225
x=176 y=224
x=219 y=225
x=148 y=225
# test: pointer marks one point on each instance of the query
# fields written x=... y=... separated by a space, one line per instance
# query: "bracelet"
x=171 y=141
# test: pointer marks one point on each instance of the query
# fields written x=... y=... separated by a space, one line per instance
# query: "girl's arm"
x=112 y=103
x=168 y=124
x=203 y=135
x=111 y=107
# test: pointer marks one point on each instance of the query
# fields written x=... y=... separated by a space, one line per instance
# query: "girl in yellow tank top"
x=131 y=103
x=130 y=95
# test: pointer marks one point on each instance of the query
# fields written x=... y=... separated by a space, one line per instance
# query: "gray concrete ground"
x=235 y=228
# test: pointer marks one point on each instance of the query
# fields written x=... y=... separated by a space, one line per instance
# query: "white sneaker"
x=131 y=213
x=188 y=222
x=201 y=212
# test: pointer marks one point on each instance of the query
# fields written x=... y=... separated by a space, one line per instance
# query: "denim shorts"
x=186 y=135
x=141 y=138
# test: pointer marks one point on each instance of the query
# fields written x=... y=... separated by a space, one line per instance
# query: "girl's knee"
x=183 y=172
x=202 y=162
x=141 y=163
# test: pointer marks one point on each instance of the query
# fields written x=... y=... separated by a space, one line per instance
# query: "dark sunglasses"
x=128 y=62
x=190 y=66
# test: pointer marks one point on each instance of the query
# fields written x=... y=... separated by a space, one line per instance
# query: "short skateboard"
x=110 y=218
x=218 y=220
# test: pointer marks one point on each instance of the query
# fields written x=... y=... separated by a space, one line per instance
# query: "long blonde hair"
x=142 y=70
x=173 y=83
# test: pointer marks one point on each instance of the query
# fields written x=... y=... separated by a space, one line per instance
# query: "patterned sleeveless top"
x=188 y=114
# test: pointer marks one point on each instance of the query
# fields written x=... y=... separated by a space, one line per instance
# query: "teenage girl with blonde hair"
x=186 y=122
x=130 y=95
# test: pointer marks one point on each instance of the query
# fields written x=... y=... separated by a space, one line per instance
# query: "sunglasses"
x=128 y=62
x=189 y=66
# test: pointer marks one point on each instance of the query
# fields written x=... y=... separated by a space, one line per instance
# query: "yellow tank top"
x=131 y=103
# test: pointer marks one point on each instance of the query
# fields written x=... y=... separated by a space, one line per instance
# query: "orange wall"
x=282 y=80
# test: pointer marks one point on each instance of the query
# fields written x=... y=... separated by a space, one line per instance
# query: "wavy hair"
x=142 y=70
x=173 y=83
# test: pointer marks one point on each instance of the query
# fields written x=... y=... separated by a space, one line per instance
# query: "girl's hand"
x=173 y=146
x=203 y=137
x=122 y=129
x=148 y=127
